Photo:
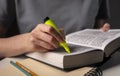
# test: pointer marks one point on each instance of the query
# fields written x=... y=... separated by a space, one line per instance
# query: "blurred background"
x=115 y=13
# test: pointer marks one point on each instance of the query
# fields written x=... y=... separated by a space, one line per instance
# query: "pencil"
x=25 y=68
x=21 y=69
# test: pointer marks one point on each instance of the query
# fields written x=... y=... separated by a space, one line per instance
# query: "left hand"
x=105 y=27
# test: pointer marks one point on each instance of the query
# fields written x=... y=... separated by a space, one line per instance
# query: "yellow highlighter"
x=49 y=22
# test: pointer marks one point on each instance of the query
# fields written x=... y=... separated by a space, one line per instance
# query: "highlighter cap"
x=47 y=18
x=49 y=22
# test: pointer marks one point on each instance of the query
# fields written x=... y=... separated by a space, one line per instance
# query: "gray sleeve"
x=7 y=13
x=103 y=12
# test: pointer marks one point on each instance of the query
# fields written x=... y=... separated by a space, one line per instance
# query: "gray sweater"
x=72 y=15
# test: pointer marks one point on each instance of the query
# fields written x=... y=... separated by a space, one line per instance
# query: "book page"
x=93 y=38
x=75 y=49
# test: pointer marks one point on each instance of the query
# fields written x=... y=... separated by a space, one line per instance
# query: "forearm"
x=42 y=39
x=13 y=46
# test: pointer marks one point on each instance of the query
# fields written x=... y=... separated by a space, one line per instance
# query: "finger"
x=62 y=33
x=40 y=49
x=43 y=44
x=45 y=37
x=105 y=27
x=51 y=31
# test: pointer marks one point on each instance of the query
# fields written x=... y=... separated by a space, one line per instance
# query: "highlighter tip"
x=64 y=45
x=67 y=50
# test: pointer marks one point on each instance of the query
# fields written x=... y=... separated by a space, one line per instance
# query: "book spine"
x=94 y=72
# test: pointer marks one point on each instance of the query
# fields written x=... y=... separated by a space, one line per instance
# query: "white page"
x=93 y=37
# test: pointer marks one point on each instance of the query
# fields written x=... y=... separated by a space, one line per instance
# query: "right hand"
x=44 y=38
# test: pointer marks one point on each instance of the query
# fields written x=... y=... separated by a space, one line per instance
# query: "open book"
x=88 y=46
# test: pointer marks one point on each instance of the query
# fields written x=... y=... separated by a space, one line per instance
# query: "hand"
x=105 y=27
x=44 y=38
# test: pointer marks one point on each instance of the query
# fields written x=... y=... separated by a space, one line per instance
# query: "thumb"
x=105 y=27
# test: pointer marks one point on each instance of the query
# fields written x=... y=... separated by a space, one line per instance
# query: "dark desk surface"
x=112 y=66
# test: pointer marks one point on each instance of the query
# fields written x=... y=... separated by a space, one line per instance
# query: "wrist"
x=26 y=46
x=15 y=45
